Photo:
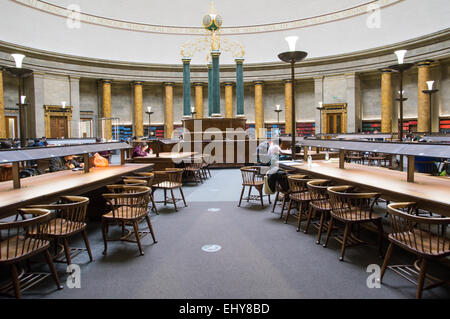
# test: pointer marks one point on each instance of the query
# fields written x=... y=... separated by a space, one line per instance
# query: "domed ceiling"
x=153 y=31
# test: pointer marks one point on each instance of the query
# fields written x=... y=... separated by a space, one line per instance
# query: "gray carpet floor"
x=260 y=257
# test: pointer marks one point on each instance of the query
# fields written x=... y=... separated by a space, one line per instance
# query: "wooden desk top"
x=42 y=188
x=430 y=192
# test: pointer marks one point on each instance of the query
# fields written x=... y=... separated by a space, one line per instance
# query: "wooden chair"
x=356 y=157
x=379 y=158
x=319 y=204
x=205 y=165
x=283 y=195
x=169 y=180
x=193 y=168
x=352 y=208
x=251 y=177
x=21 y=240
x=69 y=219
x=129 y=204
x=298 y=193
x=425 y=237
x=142 y=179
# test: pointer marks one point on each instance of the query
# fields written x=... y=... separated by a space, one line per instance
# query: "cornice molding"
x=434 y=46
x=186 y=30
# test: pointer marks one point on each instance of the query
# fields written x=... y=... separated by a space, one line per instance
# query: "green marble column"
x=210 y=86
x=186 y=86
x=239 y=86
x=215 y=81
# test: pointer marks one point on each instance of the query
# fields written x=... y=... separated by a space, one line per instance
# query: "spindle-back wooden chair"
x=425 y=237
x=68 y=220
x=252 y=177
x=170 y=180
x=298 y=193
x=319 y=204
x=352 y=208
x=128 y=204
x=21 y=240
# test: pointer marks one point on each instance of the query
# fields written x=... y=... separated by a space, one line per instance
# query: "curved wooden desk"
x=49 y=187
x=430 y=192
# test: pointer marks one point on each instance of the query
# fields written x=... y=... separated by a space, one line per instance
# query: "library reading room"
x=224 y=150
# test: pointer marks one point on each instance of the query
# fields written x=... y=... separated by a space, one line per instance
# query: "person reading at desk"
x=275 y=152
x=62 y=163
x=140 y=150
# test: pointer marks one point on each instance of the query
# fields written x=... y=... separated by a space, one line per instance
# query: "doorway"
x=58 y=127
x=334 y=118
x=57 y=121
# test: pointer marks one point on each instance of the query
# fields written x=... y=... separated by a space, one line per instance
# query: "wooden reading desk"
x=430 y=192
x=49 y=187
x=164 y=160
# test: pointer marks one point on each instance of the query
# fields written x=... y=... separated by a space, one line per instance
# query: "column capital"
x=385 y=70
x=424 y=63
x=105 y=81
x=287 y=81
x=74 y=78
x=239 y=60
x=228 y=84
x=137 y=83
x=169 y=84
x=209 y=65
x=258 y=82
x=198 y=84
x=186 y=60
x=215 y=53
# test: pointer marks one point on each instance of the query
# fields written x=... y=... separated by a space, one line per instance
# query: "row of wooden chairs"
x=34 y=227
x=197 y=168
x=426 y=237
x=371 y=158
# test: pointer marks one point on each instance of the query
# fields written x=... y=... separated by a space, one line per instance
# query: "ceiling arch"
x=259 y=25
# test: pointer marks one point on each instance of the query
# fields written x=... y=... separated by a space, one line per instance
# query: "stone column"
x=210 y=92
x=2 y=109
x=239 y=87
x=168 y=115
x=75 y=103
x=138 y=109
x=288 y=106
x=198 y=100
x=107 y=107
x=259 y=108
x=186 y=86
x=423 y=103
x=386 y=101
x=318 y=97
x=228 y=100
x=36 y=114
x=216 y=81
x=353 y=103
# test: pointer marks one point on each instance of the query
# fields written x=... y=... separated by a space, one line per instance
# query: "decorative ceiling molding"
x=251 y=29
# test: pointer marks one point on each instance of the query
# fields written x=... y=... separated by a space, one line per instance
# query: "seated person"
x=62 y=163
x=276 y=153
x=262 y=151
x=140 y=150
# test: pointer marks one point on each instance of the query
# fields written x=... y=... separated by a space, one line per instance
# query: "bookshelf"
x=306 y=129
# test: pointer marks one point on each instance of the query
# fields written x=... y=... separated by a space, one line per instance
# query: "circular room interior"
x=270 y=150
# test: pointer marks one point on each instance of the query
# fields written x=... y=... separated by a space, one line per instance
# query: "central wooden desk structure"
x=163 y=160
x=49 y=187
x=430 y=192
